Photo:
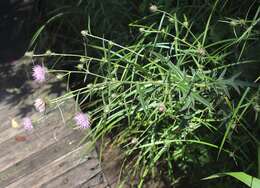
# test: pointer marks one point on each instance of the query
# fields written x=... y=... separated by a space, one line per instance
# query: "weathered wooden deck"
x=50 y=155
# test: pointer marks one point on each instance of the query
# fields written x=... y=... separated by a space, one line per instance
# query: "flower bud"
x=153 y=8
x=39 y=105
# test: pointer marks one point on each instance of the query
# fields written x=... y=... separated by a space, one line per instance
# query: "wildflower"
x=84 y=33
x=39 y=73
x=201 y=51
x=39 y=105
x=27 y=124
x=82 y=120
x=153 y=8
x=80 y=66
x=114 y=96
x=161 y=107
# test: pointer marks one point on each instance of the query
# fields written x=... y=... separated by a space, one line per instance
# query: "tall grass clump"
x=178 y=99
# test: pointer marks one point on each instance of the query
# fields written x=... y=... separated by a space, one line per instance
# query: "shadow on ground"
x=17 y=22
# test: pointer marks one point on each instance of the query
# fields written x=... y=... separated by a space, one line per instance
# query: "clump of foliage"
x=180 y=98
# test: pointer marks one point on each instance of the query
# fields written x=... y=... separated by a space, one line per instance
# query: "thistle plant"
x=39 y=105
x=175 y=100
x=27 y=124
x=82 y=120
x=39 y=73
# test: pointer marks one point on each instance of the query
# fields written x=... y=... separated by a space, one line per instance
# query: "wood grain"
x=56 y=168
x=39 y=159
x=49 y=156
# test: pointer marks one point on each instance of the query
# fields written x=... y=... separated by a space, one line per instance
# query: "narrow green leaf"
x=250 y=181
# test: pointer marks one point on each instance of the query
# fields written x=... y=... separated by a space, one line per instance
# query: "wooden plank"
x=53 y=89
x=49 y=114
x=39 y=159
x=15 y=111
x=12 y=151
x=9 y=113
x=97 y=181
x=49 y=157
x=7 y=132
x=55 y=169
x=111 y=168
x=6 y=109
x=75 y=177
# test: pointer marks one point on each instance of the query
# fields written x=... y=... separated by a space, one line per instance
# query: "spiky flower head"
x=39 y=105
x=82 y=120
x=39 y=73
x=27 y=124
x=201 y=51
x=153 y=8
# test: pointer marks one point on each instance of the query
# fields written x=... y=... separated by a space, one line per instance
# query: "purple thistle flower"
x=27 y=124
x=82 y=120
x=162 y=107
x=39 y=73
x=39 y=105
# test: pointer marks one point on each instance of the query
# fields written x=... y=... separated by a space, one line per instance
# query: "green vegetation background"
x=174 y=84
